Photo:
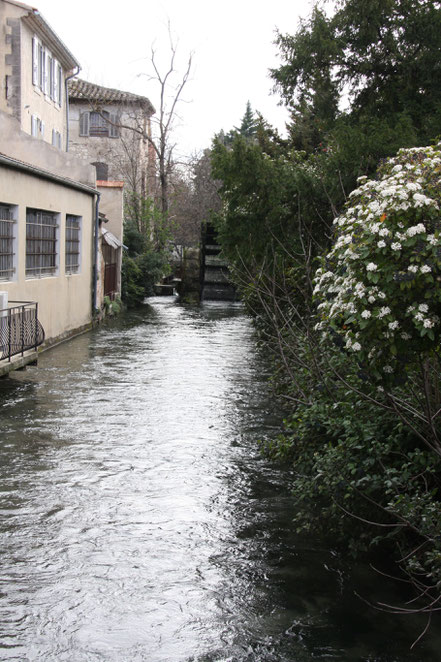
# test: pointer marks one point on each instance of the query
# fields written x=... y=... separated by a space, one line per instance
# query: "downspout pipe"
x=95 y=261
x=66 y=81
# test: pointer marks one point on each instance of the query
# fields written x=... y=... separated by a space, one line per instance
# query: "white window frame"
x=41 y=65
x=59 y=98
x=37 y=127
x=56 y=78
x=35 y=68
x=47 y=72
x=34 y=126
x=56 y=138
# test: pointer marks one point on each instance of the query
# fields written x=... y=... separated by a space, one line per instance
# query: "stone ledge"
x=18 y=362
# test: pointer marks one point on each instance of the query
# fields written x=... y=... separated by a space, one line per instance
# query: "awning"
x=110 y=239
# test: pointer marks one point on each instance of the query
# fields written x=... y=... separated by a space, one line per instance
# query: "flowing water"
x=140 y=523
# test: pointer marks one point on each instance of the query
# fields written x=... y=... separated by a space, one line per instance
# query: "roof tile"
x=82 y=90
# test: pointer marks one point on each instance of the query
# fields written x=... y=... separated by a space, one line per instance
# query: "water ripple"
x=138 y=520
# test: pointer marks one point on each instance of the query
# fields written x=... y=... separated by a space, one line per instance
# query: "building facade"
x=110 y=240
x=35 y=67
x=48 y=197
x=110 y=129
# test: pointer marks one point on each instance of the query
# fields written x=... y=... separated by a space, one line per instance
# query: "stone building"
x=108 y=128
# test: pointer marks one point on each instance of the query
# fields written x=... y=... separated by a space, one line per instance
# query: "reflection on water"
x=138 y=520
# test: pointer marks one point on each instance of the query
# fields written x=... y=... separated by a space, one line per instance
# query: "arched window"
x=102 y=170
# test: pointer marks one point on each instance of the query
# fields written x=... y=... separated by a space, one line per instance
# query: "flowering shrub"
x=378 y=290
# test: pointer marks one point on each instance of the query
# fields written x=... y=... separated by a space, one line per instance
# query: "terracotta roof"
x=82 y=90
x=104 y=183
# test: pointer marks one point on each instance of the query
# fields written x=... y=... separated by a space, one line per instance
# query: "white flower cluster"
x=388 y=218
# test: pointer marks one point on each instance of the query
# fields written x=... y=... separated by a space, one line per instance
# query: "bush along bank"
x=355 y=341
x=366 y=441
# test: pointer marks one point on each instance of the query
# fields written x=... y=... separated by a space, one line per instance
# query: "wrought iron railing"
x=20 y=329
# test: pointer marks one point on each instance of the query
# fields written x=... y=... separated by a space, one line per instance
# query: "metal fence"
x=20 y=329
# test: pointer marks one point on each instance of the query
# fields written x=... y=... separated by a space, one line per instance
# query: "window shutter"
x=40 y=66
x=84 y=124
x=114 y=130
x=35 y=61
x=54 y=138
x=42 y=128
x=46 y=61
x=59 y=76
x=58 y=140
x=55 y=94
x=52 y=73
x=34 y=125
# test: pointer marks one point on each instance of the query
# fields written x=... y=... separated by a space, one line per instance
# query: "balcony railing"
x=20 y=329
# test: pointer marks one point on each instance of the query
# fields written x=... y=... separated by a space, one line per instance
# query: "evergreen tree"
x=249 y=124
x=384 y=54
x=248 y=128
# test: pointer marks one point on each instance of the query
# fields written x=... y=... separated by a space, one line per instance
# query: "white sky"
x=232 y=43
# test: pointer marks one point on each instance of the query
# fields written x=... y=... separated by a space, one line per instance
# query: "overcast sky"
x=232 y=42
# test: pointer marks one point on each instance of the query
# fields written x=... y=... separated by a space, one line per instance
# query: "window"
x=98 y=124
x=41 y=243
x=102 y=124
x=41 y=66
x=102 y=170
x=6 y=242
x=47 y=73
x=51 y=75
x=73 y=239
x=110 y=257
x=37 y=127
x=58 y=83
x=56 y=138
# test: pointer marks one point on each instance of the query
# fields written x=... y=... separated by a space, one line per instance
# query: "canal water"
x=139 y=521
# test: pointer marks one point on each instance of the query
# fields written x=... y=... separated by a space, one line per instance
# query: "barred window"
x=41 y=243
x=73 y=238
x=6 y=243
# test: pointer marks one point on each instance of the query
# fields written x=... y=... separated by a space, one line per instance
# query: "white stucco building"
x=48 y=197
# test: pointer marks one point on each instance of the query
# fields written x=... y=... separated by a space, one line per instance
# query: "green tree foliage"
x=305 y=79
x=247 y=129
x=364 y=441
x=144 y=259
x=383 y=54
x=389 y=57
x=248 y=125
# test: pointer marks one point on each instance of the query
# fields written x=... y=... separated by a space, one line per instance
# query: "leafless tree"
x=171 y=85
x=193 y=197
